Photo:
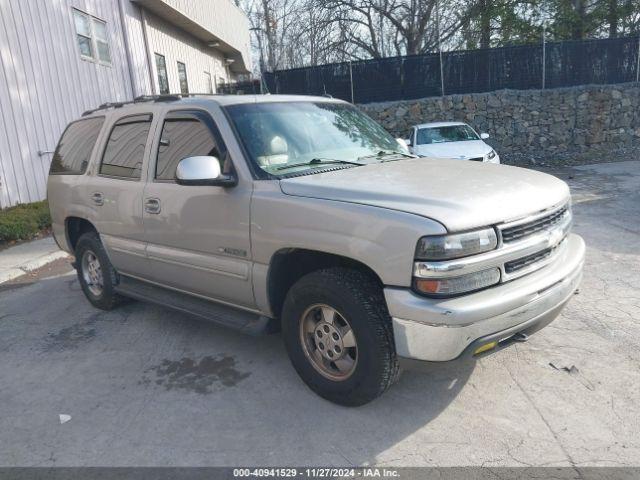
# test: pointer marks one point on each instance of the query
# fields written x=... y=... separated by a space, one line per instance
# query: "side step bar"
x=246 y=322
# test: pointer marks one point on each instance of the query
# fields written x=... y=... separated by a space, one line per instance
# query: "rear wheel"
x=337 y=331
x=96 y=275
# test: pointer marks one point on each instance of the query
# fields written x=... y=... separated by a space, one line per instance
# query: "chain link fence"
x=543 y=65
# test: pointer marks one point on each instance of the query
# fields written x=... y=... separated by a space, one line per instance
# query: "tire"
x=356 y=299
x=89 y=250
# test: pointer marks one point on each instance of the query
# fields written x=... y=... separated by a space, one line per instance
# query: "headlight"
x=457 y=285
x=491 y=155
x=446 y=247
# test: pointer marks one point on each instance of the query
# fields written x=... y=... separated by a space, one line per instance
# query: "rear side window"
x=187 y=135
x=124 y=153
x=74 y=149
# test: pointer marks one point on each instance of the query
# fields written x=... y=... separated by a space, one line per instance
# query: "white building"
x=59 y=58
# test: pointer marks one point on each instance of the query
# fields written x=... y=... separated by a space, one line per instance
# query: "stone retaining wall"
x=533 y=124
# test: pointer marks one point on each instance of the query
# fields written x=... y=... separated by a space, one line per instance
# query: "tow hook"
x=520 y=337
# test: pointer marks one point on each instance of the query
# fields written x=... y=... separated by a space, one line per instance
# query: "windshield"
x=452 y=133
x=293 y=137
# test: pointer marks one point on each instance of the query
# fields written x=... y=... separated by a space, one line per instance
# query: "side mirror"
x=202 y=170
x=484 y=136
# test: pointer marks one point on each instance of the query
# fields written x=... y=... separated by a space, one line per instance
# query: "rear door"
x=114 y=192
x=66 y=183
x=197 y=236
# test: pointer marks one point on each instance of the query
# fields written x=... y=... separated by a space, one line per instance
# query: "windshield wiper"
x=387 y=153
x=317 y=161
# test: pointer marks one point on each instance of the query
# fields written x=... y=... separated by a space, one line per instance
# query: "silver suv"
x=303 y=214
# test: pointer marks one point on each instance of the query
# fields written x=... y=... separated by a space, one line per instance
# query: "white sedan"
x=455 y=140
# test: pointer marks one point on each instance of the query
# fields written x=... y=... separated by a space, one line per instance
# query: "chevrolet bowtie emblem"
x=555 y=237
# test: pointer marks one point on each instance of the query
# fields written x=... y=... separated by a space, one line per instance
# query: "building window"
x=102 y=43
x=207 y=83
x=93 y=41
x=163 y=80
x=182 y=76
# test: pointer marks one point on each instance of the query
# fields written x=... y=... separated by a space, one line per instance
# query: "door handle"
x=152 y=205
x=98 y=198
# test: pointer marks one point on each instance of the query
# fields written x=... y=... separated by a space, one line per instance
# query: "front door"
x=197 y=236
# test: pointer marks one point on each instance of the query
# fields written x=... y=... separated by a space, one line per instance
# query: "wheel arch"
x=288 y=265
x=74 y=228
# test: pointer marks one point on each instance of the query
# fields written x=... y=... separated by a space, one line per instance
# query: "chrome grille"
x=511 y=234
x=520 y=263
x=526 y=245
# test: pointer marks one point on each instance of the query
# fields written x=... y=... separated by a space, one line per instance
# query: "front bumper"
x=440 y=330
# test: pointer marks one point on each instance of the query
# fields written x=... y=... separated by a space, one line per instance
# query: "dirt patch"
x=195 y=376
x=53 y=269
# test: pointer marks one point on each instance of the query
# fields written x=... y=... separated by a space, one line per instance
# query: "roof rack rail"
x=165 y=97
x=140 y=99
x=104 y=106
x=198 y=94
x=170 y=97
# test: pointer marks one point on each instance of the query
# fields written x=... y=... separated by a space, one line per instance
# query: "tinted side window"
x=124 y=153
x=186 y=135
x=74 y=149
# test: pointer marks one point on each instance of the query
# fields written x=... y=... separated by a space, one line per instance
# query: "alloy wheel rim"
x=329 y=342
x=92 y=273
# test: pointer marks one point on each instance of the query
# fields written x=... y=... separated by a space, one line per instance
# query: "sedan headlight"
x=446 y=247
x=491 y=155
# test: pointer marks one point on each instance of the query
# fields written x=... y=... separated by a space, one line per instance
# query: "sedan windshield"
x=300 y=137
x=452 y=133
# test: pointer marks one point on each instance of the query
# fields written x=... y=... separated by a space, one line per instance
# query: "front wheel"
x=338 y=334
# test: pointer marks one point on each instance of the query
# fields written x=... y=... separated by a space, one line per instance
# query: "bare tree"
x=295 y=33
x=401 y=27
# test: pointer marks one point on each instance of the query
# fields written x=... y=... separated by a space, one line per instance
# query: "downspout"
x=145 y=38
x=127 y=48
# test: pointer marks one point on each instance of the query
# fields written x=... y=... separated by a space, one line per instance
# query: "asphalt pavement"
x=146 y=386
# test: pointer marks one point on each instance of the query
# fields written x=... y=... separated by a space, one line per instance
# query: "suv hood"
x=456 y=150
x=460 y=195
